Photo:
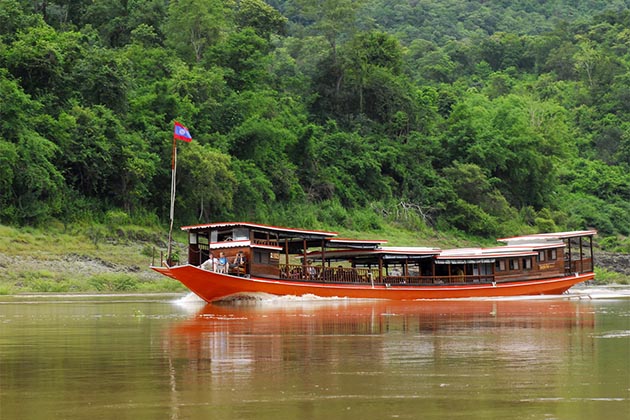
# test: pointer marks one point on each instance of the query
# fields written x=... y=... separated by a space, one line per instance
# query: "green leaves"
x=209 y=183
x=261 y=17
x=193 y=26
x=483 y=117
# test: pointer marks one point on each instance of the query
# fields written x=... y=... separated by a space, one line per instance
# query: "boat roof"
x=354 y=243
x=282 y=231
x=343 y=248
x=242 y=244
x=414 y=252
x=296 y=239
x=495 y=252
x=547 y=237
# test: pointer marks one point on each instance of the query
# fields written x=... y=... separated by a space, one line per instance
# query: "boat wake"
x=599 y=292
x=193 y=302
x=577 y=293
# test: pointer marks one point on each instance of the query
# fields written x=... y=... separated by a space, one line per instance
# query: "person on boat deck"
x=239 y=260
x=310 y=270
x=222 y=265
x=215 y=263
x=209 y=264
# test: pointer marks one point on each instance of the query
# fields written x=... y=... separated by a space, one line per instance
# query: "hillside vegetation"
x=488 y=118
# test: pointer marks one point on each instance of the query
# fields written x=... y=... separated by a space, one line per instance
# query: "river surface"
x=173 y=357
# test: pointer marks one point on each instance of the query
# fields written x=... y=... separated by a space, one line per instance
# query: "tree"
x=42 y=59
x=244 y=57
x=265 y=142
x=193 y=26
x=8 y=166
x=349 y=169
x=262 y=18
x=102 y=78
x=206 y=183
x=103 y=160
x=474 y=187
x=514 y=139
x=115 y=20
x=38 y=187
x=503 y=50
x=254 y=196
x=371 y=62
x=31 y=187
x=330 y=18
x=15 y=19
x=334 y=20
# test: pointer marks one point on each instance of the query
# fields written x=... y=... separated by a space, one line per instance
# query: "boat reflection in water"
x=246 y=331
x=354 y=359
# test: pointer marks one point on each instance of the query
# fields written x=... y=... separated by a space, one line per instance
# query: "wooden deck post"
x=581 y=256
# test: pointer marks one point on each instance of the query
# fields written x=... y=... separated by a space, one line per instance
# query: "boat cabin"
x=273 y=252
x=267 y=250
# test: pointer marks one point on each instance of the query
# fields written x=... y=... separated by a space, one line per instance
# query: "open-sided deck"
x=295 y=261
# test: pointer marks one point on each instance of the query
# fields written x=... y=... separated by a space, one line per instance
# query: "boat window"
x=265 y=257
x=541 y=256
x=553 y=254
x=513 y=264
x=224 y=236
x=240 y=234
x=527 y=263
x=499 y=265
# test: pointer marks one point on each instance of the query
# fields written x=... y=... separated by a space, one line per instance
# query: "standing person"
x=311 y=271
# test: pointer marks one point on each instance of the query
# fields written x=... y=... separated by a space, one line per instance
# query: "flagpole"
x=179 y=133
x=172 y=212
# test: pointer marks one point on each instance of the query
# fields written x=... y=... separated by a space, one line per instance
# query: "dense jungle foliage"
x=493 y=118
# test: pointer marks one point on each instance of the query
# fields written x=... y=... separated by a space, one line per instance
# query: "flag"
x=181 y=133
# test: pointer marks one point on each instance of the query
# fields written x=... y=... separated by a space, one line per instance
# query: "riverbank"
x=89 y=261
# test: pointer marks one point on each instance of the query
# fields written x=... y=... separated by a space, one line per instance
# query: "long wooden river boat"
x=286 y=261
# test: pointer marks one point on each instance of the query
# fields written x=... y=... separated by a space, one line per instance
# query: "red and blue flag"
x=181 y=133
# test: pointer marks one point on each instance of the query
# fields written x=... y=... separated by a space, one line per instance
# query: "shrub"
x=49 y=286
x=603 y=276
x=161 y=286
x=113 y=282
x=116 y=218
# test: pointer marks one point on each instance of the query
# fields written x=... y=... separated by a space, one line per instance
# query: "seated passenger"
x=238 y=264
x=222 y=264
x=239 y=260
x=209 y=263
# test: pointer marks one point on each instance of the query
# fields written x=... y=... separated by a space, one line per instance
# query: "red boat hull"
x=211 y=286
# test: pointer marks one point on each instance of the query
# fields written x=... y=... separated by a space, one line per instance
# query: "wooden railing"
x=584 y=265
x=327 y=274
x=267 y=242
x=436 y=280
x=370 y=276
